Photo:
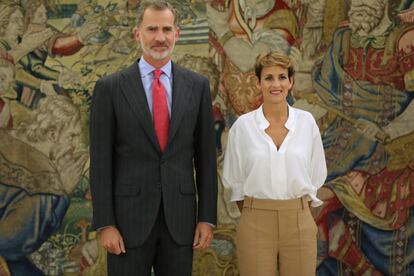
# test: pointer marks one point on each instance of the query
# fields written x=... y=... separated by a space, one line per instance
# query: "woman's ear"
x=258 y=85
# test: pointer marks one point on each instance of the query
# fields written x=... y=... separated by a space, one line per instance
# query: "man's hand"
x=71 y=167
x=112 y=240
x=203 y=235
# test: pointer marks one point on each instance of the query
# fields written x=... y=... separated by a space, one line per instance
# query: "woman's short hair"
x=274 y=58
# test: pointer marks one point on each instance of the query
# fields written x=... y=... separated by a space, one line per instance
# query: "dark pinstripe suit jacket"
x=129 y=175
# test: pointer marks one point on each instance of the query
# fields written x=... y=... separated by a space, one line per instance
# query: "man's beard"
x=61 y=154
x=365 y=25
x=154 y=54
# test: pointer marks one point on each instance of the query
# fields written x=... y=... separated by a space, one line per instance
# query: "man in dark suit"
x=151 y=126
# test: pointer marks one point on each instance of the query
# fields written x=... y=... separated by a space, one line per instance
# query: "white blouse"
x=254 y=167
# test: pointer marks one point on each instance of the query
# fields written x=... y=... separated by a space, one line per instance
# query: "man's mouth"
x=159 y=47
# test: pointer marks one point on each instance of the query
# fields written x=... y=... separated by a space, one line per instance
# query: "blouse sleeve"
x=318 y=163
x=232 y=168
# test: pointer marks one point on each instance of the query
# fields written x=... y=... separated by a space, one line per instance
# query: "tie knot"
x=157 y=73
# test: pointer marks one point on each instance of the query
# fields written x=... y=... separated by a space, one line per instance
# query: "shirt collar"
x=263 y=123
x=146 y=68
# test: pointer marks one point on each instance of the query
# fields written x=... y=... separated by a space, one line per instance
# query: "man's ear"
x=177 y=33
x=136 y=33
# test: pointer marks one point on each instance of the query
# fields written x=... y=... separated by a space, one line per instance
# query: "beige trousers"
x=276 y=235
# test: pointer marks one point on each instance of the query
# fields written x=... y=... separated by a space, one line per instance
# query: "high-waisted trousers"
x=276 y=237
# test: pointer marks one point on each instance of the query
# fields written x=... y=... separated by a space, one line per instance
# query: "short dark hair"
x=274 y=58
x=158 y=5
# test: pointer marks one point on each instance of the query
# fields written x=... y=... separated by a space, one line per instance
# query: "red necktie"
x=160 y=110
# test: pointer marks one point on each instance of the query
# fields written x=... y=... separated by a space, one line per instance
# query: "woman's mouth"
x=276 y=92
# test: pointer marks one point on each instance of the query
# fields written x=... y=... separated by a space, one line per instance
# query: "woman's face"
x=6 y=79
x=40 y=16
x=274 y=84
x=15 y=25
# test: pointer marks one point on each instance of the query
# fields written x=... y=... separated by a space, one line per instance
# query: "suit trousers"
x=276 y=236
x=159 y=252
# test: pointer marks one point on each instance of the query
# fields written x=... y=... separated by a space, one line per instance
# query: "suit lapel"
x=133 y=91
x=180 y=98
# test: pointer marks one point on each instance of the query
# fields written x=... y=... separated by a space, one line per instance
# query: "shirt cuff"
x=237 y=194
x=212 y=225
x=103 y=227
x=316 y=202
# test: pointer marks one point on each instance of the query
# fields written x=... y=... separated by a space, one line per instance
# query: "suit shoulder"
x=111 y=77
x=190 y=74
x=110 y=82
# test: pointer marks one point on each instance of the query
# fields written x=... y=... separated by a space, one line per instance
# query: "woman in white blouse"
x=274 y=164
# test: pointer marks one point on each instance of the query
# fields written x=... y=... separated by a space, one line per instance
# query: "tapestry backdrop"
x=354 y=64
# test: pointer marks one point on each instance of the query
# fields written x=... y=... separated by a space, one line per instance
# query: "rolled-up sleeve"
x=318 y=162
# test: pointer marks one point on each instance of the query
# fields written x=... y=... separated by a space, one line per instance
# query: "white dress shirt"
x=147 y=76
x=254 y=167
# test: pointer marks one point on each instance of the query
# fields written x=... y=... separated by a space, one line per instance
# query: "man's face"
x=40 y=16
x=71 y=134
x=67 y=142
x=364 y=16
x=157 y=35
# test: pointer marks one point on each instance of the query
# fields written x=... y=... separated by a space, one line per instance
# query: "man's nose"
x=160 y=36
